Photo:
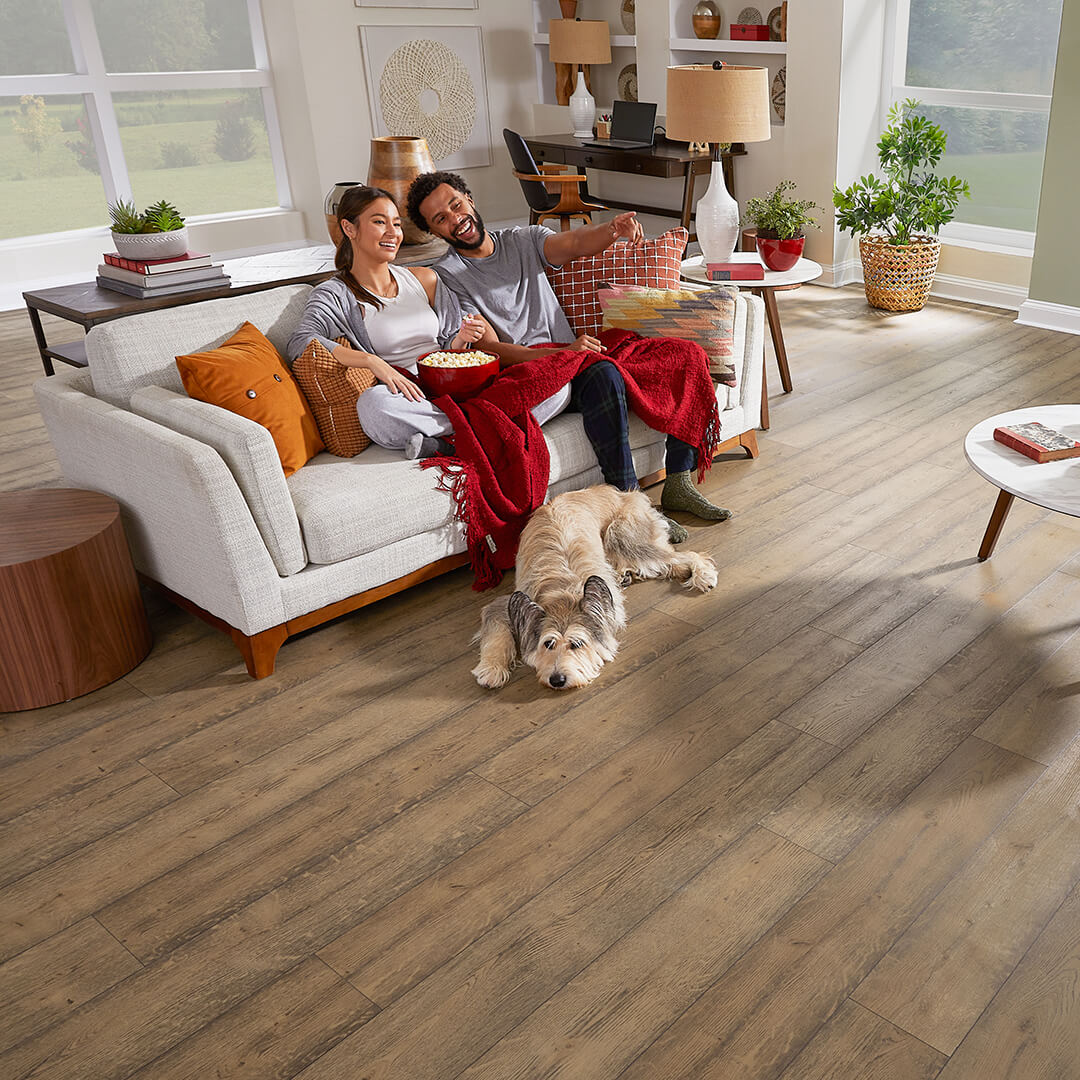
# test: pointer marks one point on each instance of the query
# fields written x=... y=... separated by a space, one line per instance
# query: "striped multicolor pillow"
x=706 y=317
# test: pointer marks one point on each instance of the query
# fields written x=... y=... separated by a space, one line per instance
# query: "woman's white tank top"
x=405 y=327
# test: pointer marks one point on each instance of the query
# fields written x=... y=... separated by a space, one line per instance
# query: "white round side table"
x=693 y=269
x=1053 y=484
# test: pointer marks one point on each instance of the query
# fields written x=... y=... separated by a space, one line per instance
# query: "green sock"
x=680 y=494
x=676 y=534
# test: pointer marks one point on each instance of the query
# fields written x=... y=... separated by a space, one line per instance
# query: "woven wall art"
x=430 y=81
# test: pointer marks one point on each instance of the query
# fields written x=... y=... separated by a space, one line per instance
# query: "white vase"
x=717 y=219
x=151 y=245
x=582 y=109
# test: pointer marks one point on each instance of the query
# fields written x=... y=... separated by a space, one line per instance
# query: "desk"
x=88 y=305
x=665 y=159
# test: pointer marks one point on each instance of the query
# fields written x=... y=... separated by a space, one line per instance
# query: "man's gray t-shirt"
x=509 y=287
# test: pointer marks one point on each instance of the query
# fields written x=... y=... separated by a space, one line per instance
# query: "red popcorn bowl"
x=458 y=382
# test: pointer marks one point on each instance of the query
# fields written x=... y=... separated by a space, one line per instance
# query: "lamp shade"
x=579 y=41
x=709 y=105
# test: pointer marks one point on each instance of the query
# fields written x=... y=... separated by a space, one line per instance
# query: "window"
x=135 y=99
x=985 y=74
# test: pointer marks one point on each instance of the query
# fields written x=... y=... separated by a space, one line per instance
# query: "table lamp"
x=580 y=41
x=717 y=103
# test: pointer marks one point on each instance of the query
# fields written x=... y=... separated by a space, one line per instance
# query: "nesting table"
x=1052 y=484
x=693 y=269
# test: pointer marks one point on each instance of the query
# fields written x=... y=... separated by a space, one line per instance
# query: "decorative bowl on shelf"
x=457 y=372
x=707 y=20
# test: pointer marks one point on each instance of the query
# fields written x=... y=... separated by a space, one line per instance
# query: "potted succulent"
x=780 y=223
x=158 y=232
x=900 y=215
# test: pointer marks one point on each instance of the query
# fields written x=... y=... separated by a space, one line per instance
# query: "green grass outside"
x=1000 y=185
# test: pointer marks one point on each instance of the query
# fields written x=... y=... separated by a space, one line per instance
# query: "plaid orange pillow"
x=331 y=390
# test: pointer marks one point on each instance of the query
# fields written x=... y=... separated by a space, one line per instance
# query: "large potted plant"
x=781 y=225
x=158 y=232
x=898 y=217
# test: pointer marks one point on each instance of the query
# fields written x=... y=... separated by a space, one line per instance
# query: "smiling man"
x=501 y=273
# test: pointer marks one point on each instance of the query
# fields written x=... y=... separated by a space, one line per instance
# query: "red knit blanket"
x=499 y=472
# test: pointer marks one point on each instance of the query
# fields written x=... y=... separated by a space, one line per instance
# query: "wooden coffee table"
x=88 y=305
x=1053 y=484
x=71 y=615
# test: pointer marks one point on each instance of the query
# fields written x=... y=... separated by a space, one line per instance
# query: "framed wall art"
x=430 y=81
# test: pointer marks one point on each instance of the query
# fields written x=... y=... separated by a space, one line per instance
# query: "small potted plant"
x=900 y=216
x=780 y=223
x=158 y=232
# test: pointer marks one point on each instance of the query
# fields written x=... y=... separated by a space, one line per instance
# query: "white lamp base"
x=717 y=219
x=582 y=109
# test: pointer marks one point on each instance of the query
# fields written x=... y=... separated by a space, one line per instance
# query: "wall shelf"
x=722 y=45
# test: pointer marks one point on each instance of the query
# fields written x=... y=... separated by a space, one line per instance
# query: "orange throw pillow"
x=332 y=390
x=247 y=376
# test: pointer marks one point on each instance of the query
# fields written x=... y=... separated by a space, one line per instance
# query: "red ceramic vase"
x=780 y=254
x=459 y=383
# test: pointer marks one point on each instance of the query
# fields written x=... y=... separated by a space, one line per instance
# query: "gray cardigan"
x=332 y=311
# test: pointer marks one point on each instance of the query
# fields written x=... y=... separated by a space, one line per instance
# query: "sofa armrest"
x=248 y=450
x=186 y=520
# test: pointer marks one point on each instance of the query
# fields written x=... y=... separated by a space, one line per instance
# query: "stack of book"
x=160 y=277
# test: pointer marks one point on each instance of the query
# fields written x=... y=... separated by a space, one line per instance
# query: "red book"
x=157 y=266
x=735 y=271
x=1037 y=441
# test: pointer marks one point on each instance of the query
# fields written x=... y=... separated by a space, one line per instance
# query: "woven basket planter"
x=898 y=278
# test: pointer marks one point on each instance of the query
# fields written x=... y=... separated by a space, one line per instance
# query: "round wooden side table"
x=71 y=616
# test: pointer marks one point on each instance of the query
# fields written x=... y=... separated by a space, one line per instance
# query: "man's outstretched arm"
x=563 y=247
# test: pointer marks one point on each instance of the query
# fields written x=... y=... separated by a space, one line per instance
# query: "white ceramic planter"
x=159 y=245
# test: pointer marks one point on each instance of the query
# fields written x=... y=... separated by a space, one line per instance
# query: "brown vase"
x=706 y=20
x=568 y=8
x=396 y=161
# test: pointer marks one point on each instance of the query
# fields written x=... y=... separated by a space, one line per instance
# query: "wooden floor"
x=822 y=823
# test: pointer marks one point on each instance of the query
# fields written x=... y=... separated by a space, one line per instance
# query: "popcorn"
x=471 y=358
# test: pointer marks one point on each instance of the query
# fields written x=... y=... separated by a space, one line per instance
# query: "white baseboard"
x=1049 y=316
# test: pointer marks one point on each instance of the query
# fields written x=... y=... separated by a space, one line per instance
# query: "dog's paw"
x=703 y=575
x=491 y=676
x=627 y=579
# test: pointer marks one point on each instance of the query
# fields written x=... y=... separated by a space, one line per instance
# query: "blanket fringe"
x=709 y=442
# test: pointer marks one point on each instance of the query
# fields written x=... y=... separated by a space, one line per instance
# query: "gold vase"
x=396 y=161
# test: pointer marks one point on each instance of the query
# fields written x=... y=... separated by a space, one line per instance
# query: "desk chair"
x=570 y=200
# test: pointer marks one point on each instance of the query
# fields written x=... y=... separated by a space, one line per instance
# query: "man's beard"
x=481 y=234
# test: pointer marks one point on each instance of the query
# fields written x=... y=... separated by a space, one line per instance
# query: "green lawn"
x=1004 y=188
x=52 y=192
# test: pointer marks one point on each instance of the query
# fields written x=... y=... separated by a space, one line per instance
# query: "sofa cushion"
x=248 y=450
x=247 y=376
x=655 y=263
x=332 y=391
x=704 y=317
x=141 y=350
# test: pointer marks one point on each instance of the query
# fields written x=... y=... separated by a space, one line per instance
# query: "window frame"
x=97 y=86
x=894 y=87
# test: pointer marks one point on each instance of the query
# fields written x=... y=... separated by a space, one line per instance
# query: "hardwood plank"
x=835 y=809
x=272 y=1035
x=855 y=1042
x=149 y=1013
x=939 y=977
x=785 y=987
x=608 y=1013
x=54 y=979
x=1031 y=1028
x=446 y=1018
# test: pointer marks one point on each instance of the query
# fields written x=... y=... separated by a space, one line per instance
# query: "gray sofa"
x=211 y=518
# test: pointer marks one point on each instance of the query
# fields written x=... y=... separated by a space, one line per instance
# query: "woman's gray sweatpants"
x=389 y=419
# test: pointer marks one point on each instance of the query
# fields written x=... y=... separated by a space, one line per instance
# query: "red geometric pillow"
x=654 y=263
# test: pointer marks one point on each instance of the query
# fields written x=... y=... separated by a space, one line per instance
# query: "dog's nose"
x=558 y=680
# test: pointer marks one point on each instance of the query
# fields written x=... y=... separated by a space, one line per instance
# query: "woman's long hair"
x=354 y=202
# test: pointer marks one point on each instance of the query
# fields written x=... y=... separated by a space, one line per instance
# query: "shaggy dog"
x=576 y=553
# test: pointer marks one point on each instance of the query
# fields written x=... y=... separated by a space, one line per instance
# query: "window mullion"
x=101 y=115
x=273 y=128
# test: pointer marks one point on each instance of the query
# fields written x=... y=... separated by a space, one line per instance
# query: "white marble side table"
x=1052 y=484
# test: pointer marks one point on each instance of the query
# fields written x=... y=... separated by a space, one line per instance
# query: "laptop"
x=632 y=126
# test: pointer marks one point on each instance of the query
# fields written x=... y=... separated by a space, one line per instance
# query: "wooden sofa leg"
x=748 y=440
x=260 y=650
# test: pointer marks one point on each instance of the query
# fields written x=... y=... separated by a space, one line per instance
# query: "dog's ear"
x=597 y=601
x=525 y=616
